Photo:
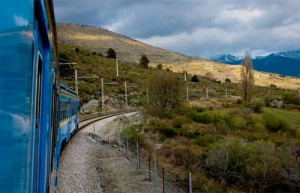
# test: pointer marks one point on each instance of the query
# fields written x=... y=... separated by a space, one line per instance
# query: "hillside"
x=130 y=50
x=99 y=40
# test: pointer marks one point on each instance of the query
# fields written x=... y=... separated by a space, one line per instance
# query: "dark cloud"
x=194 y=27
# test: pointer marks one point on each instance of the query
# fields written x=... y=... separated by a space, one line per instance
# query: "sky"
x=199 y=28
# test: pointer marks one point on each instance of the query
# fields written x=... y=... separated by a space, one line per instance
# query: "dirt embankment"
x=90 y=164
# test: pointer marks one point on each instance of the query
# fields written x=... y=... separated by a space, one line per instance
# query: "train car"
x=68 y=117
x=30 y=96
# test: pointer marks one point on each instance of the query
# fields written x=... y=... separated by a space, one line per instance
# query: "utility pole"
x=148 y=95
x=76 y=83
x=102 y=95
x=206 y=93
x=184 y=72
x=117 y=63
x=126 y=99
x=187 y=93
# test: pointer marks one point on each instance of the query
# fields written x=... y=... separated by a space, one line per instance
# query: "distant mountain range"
x=283 y=63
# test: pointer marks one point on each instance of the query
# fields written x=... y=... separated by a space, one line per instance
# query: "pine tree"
x=111 y=53
x=144 y=61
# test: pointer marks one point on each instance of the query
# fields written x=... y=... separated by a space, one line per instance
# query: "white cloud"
x=242 y=15
x=20 y=21
x=195 y=27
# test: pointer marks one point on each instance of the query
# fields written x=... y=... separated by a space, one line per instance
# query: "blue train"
x=38 y=112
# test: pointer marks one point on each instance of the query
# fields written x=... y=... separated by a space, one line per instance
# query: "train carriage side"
x=28 y=75
x=68 y=117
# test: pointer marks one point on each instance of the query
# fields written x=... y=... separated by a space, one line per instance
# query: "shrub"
x=275 y=122
x=227 y=80
x=291 y=98
x=205 y=140
x=77 y=49
x=256 y=106
x=239 y=101
x=178 y=121
x=262 y=164
x=194 y=78
x=144 y=61
x=134 y=133
x=94 y=53
x=168 y=132
x=111 y=53
x=187 y=133
x=159 y=66
x=239 y=123
x=227 y=159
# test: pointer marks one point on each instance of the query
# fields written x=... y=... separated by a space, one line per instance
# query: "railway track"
x=89 y=119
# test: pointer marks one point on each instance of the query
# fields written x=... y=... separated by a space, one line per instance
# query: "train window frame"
x=38 y=111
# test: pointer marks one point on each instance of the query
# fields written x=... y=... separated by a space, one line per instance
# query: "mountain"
x=227 y=59
x=292 y=54
x=283 y=63
x=100 y=40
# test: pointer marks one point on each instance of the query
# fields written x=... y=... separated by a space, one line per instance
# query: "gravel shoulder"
x=90 y=164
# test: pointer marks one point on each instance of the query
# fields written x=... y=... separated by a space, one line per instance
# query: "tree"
x=165 y=92
x=144 y=61
x=247 y=75
x=111 y=53
x=159 y=66
x=195 y=78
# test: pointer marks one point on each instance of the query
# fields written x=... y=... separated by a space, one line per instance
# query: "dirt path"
x=90 y=164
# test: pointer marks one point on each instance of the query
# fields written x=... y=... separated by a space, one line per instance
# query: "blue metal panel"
x=15 y=93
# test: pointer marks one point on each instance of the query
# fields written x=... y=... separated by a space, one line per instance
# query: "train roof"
x=67 y=90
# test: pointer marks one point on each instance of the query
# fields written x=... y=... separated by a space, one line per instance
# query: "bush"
x=275 y=122
x=205 y=140
x=262 y=164
x=256 y=106
x=77 y=49
x=194 y=78
x=134 y=133
x=227 y=80
x=178 y=121
x=227 y=159
x=291 y=98
x=207 y=117
x=159 y=66
x=168 y=132
x=111 y=53
x=239 y=123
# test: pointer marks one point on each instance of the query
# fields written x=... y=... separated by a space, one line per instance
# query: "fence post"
x=155 y=180
x=94 y=129
x=149 y=162
x=190 y=182
x=206 y=93
x=163 y=174
x=126 y=144
x=137 y=155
